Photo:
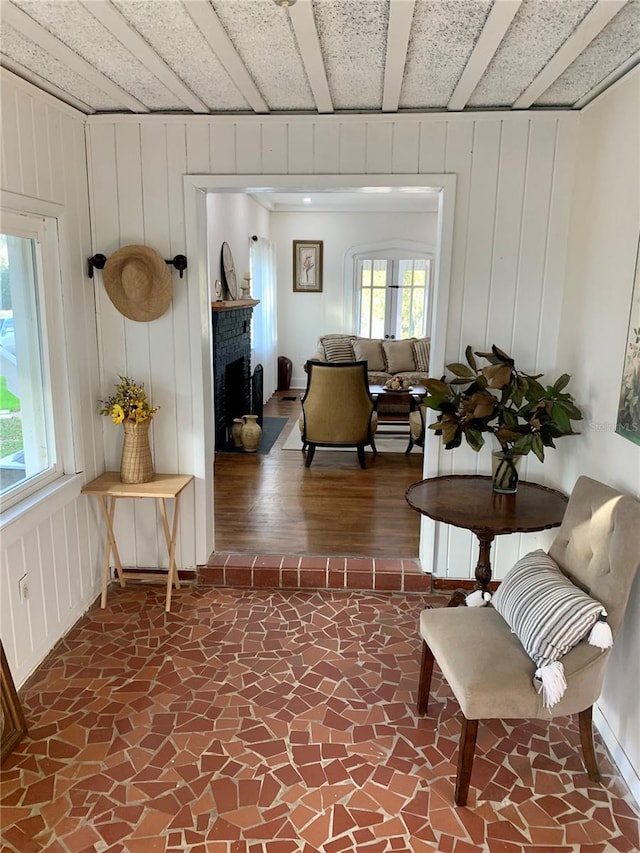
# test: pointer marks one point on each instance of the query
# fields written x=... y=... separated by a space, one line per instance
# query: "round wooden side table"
x=468 y=501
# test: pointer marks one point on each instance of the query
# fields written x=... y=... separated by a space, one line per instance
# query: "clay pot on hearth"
x=251 y=433
x=236 y=432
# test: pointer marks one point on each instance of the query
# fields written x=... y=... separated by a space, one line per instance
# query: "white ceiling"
x=365 y=200
x=319 y=56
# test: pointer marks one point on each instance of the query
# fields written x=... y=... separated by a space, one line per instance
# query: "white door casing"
x=195 y=188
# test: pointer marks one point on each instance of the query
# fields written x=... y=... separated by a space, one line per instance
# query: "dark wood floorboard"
x=272 y=504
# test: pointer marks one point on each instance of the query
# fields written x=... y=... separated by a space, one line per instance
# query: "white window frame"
x=44 y=222
x=395 y=250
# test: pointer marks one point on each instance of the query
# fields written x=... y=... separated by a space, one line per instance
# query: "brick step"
x=295 y=572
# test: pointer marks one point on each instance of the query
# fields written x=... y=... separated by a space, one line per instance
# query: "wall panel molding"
x=482 y=150
x=51 y=537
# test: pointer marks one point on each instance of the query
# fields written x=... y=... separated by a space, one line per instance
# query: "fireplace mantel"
x=233 y=305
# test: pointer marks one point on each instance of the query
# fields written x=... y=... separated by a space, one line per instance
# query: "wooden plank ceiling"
x=319 y=56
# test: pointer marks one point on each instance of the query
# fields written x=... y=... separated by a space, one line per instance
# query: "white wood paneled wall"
x=514 y=191
x=514 y=173
x=513 y=178
x=137 y=198
x=56 y=544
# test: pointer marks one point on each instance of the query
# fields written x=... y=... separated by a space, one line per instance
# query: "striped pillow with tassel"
x=549 y=615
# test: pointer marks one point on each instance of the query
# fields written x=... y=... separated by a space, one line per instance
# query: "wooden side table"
x=468 y=501
x=108 y=488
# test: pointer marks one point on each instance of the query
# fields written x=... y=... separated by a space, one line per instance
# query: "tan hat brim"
x=138 y=282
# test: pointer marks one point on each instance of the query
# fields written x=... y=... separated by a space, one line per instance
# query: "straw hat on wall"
x=138 y=282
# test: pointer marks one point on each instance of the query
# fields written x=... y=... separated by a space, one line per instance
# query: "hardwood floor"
x=272 y=504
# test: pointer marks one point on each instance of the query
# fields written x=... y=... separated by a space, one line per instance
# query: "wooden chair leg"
x=361 y=458
x=311 y=449
x=586 y=740
x=424 y=684
x=466 y=753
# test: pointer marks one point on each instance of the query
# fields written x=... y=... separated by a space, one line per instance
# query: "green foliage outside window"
x=10 y=435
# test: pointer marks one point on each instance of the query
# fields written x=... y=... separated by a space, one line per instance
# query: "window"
x=393 y=295
x=30 y=450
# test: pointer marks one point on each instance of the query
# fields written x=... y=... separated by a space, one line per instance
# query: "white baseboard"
x=618 y=755
x=35 y=659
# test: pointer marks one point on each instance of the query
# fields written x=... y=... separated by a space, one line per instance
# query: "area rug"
x=271 y=429
x=385 y=442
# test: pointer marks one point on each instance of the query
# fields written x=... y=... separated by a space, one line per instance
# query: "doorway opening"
x=196 y=188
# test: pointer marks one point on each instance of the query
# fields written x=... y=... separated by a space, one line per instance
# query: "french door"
x=393 y=296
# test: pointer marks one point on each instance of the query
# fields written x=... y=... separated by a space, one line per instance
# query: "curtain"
x=262 y=258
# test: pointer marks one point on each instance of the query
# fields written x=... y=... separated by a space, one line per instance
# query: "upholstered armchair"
x=417 y=426
x=337 y=408
x=483 y=658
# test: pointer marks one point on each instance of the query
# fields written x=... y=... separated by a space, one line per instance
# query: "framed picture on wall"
x=307 y=266
x=628 y=422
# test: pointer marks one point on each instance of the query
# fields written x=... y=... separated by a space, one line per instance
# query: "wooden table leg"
x=170 y=539
x=483 y=567
x=108 y=510
x=105 y=560
x=482 y=571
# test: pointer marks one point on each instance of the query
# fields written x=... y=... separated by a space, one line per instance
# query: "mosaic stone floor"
x=281 y=721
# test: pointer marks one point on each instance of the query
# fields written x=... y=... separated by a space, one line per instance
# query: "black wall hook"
x=179 y=262
x=95 y=262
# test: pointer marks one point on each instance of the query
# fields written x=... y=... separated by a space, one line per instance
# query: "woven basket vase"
x=136 y=464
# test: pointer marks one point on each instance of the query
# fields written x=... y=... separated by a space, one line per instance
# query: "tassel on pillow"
x=477 y=598
x=553 y=683
x=601 y=635
x=551 y=675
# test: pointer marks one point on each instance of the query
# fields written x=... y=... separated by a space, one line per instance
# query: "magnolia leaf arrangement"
x=513 y=406
x=129 y=403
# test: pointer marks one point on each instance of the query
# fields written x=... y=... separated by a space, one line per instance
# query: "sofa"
x=408 y=358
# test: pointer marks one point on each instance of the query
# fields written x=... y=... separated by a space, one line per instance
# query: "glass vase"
x=505 y=469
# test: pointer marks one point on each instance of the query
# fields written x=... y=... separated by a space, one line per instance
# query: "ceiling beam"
x=31 y=77
x=130 y=38
x=32 y=30
x=590 y=26
x=497 y=23
x=216 y=36
x=304 y=27
x=609 y=80
x=398 y=31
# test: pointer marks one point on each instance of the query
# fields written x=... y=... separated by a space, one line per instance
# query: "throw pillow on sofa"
x=370 y=350
x=422 y=353
x=338 y=347
x=399 y=356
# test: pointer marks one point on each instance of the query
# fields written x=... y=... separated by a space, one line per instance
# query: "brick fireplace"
x=231 y=364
